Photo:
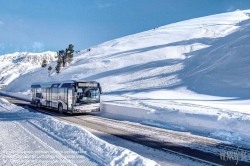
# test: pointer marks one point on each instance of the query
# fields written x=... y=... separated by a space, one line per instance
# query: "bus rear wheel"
x=60 y=108
x=38 y=104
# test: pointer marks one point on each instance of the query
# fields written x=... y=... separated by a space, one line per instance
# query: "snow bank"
x=16 y=95
x=214 y=122
x=84 y=142
x=79 y=139
x=222 y=124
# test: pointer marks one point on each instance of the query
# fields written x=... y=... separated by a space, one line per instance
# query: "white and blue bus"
x=67 y=96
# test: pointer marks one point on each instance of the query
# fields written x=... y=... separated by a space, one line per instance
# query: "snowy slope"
x=193 y=53
x=19 y=63
x=189 y=76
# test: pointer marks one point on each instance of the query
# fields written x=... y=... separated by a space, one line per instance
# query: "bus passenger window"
x=38 y=95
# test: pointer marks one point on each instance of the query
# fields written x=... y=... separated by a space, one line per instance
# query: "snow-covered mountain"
x=191 y=75
x=19 y=63
x=208 y=55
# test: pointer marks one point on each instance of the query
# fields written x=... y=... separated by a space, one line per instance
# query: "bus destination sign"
x=87 y=84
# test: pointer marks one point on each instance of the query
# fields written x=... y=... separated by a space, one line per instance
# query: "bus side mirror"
x=100 y=88
x=76 y=88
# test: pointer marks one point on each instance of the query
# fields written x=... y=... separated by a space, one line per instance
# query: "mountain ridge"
x=167 y=57
x=19 y=63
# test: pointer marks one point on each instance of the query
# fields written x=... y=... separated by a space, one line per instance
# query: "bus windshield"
x=87 y=95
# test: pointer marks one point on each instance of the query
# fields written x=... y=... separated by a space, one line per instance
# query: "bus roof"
x=58 y=84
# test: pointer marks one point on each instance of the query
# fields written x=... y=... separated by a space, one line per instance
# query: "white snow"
x=8 y=78
x=48 y=141
x=189 y=76
x=13 y=65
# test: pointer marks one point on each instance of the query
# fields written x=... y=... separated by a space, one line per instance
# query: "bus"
x=73 y=96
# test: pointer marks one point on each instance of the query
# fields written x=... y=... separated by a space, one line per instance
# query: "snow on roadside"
x=17 y=95
x=84 y=141
x=207 y=117
x=76 y=138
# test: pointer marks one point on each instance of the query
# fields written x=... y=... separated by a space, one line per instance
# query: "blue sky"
x=42 y=25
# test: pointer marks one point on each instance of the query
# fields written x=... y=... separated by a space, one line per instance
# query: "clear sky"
x=42 y=25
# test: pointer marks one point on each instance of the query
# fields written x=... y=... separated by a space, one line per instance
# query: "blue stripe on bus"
x=35 y=86
x=55 y=85
x=67 y=85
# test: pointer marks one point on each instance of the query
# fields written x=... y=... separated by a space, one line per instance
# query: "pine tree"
x=58 y=68
x=63 y=56
x=44 y=63
x=69 y=53
x=59 y=63
x=49 y=69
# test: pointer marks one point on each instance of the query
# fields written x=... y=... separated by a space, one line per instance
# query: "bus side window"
x=43 y=93
x=38 y=95
x=33 y=91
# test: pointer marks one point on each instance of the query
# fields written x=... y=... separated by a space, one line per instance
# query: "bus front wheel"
x=60 y=108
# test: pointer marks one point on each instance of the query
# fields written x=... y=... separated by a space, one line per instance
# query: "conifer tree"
x=49 y=69
x=63 y=57
x=69 y=53
x=44 y=63
x=59 y=63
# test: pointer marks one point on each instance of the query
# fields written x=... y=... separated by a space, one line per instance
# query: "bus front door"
x=48 y=97
x=70 y=99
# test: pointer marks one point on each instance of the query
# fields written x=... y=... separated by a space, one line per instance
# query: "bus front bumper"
x=84 y=111
x=87 y=108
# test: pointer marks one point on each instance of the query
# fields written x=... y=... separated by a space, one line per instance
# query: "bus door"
x=33 y=94
x=48 y=97
x=70 y=98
